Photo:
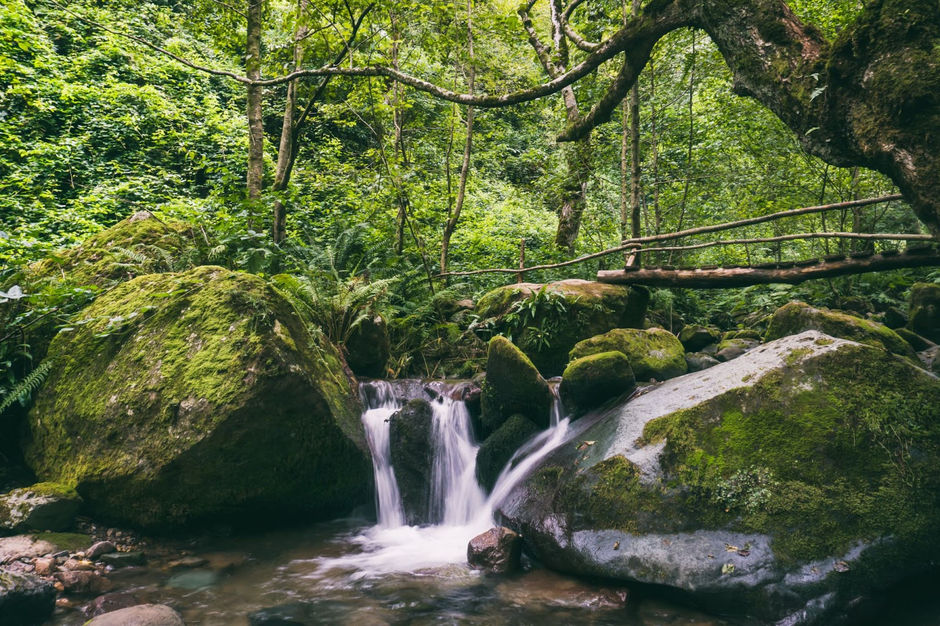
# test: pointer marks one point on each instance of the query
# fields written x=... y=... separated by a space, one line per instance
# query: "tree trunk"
x=635 y=155
x=454 y=217
x=255 y=127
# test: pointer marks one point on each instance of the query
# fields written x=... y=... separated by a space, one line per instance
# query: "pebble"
x=45 y=566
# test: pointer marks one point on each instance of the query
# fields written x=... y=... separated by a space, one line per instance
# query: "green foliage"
x=541 y=313
x=23 y=390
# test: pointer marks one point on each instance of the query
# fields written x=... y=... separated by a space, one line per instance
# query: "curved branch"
x=571 y=33
x=540 y=49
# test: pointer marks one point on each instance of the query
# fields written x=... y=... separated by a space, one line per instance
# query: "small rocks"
x=82 y=582
x=187 y=562
x=76 y=565
x=498 y=550
x=23 y=546
x=100 y=548
x=140 y=615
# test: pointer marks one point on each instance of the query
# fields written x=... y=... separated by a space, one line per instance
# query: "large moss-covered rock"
x=796 y=317
x=784 y=484
x=43 y=506
x=513 y=385
x=592 y=380
x=499 y=447
x=25 y=599
x=198 y=396
x=546 y=321
x=925 y=310
x=412 y=455
x=653 y=353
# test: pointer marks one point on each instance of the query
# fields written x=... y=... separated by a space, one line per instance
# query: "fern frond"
x=26 y=387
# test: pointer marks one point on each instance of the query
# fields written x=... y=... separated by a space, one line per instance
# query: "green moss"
x=147 y=376
x=590 y=381
x=513 y=385
x=653 y=353
x=73 y=542
x=796 y=317
x=850 y=454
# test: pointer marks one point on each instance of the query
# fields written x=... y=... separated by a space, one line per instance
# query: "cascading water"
x=458 y=506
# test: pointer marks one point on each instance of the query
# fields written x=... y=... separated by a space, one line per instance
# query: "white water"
x=458 y=504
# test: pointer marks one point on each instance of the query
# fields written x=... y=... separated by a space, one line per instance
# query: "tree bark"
x=255 y=128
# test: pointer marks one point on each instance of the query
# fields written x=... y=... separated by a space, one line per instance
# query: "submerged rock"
x=25 y=599
x=412 y=455
x=140 y=615
x=546 y=321
x=653 y=353
x=499 y=447
x=498 y=550
x=796 y=317
x=925 y=310
x=783 y=484
x=544 y=588
x=512 y=386
x=43 y=506
x=590 y=381
x=197 y=397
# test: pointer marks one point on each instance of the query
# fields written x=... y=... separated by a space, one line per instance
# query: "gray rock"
x=97 y=549
x=751 y=485
x=123 y=559
x=111 y=602
x=25 y=599
x=694 y=338
x=43 y=506
x=140 y=615
x=23 y=546
x=698 y=361
x=412 y=456
x=498 y=550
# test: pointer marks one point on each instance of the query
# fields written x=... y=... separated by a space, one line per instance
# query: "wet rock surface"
x=25 y=599
x=142 y=615
x=498 y=550
x=736 y=484
x=412 y=455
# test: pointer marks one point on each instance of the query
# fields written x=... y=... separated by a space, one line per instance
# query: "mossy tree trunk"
x=255 y=175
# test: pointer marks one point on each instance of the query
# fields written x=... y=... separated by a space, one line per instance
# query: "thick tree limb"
x=742 y=277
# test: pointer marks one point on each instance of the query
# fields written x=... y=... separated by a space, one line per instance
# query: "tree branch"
x=571 y=33
x=540 y=49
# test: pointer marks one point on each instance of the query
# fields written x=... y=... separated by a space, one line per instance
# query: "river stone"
x=25 y=599
x=513 y=386
x=123 y=559
x=653 y=353
x=796 y=317
x=590 y=381
x=43 y=506
x=589 y=308
x=100 y=548
x=925 y=310
x=367 y=348
x=498 y=550
x=81 y=581
x=199 y=397
x=694 y=337
x=499 y=447
x=140 y=615
x=412 y=456
x=23 y=546
x=783 y=484
x=698 y=361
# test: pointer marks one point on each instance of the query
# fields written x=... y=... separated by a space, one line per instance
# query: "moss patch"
x=653 y=353
x=513 y=385
x=590 y=381
x=844 y=450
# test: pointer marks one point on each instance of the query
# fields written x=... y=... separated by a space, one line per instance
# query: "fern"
x=26 y=387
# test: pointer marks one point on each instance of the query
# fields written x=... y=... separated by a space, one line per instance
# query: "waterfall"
x=380 y=404
x=458 y=506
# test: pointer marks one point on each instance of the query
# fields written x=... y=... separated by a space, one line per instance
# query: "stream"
x=362 y=571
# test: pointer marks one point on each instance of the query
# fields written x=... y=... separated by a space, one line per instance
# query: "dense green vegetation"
x=96 y=125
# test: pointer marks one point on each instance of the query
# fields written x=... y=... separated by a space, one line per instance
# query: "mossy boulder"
x=654 y=353
x=198 y=396
x=25 y=599
x=914 y=340
x=733 y=348
x=513 y=385
x=694 y=337
x=546 y=321
x=499 y=447
x=796 y=317
x=590 y=381
x=698 y=361
x=412 y=456
x=925 y=310
x=367 y=348
x=43 y=506
x=746 y=333
x=784 y=484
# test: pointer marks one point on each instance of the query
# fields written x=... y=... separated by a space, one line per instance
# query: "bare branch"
x=540 y=49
